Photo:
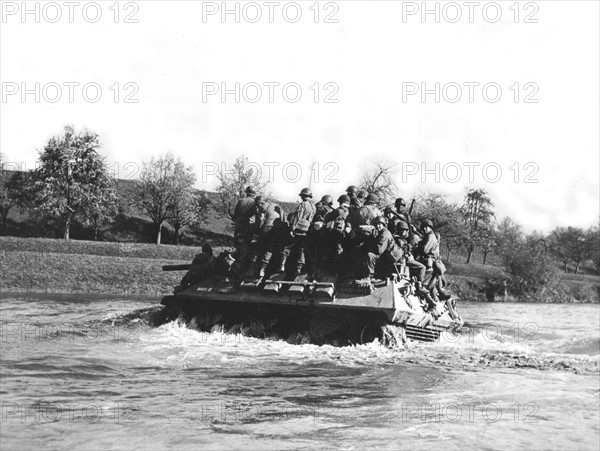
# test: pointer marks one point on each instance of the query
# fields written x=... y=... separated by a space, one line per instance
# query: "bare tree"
x=379 y=180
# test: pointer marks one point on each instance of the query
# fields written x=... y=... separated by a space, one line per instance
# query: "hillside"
x=130 y=225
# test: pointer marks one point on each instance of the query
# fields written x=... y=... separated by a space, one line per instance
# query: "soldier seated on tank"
x=381 y=250
x=366 y=214
x=337 y=247
x=202 y=267
x=341 y=211
x=225 y=265
x=245 y=252
x=428 y=254
x=406 y=242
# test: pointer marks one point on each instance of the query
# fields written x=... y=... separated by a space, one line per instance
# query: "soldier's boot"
x=298 y=270
x=261 y=273
x=430 y=303
x=443 y=294
x=421 y=291
x=282 y=265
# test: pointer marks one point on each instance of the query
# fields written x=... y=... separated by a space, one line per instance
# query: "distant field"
x=103 y=248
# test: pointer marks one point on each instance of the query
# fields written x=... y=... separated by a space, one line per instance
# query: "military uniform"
x=244 y=212
x=270 y=220
x=415 y=268
x=382 y=249
x=299 y=226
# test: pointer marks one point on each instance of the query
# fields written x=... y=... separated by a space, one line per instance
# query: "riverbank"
x=43 y=265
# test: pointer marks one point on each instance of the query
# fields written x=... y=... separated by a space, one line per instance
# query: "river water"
x=82 y=372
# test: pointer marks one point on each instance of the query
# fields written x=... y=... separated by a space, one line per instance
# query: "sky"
x=495 y=95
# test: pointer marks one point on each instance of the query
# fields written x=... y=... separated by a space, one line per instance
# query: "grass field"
x=59 y=266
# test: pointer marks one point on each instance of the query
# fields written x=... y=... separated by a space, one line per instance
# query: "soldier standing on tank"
x=244 y=212
x=314 y=243
x=269 y=228
x=299 y=225
x=324 y=206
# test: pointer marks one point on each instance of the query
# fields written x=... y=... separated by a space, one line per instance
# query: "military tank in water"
x=300 y=309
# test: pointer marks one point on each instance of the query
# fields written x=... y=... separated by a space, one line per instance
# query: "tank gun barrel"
x=176 y=267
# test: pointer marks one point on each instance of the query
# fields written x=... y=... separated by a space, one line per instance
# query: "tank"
x=327 y=311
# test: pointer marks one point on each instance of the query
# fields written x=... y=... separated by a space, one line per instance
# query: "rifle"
x=412 y=227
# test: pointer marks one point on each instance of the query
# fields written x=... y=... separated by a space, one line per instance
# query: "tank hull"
x=317 y=313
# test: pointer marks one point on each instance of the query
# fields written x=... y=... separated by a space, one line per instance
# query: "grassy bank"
x=59 y=266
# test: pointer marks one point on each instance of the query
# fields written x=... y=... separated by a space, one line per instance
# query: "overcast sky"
x=517 y=92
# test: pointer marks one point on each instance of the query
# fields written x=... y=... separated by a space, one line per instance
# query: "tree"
x=487 y=240
x=99 y=209
x=164 y=187
x=71 y=176
x=570 y=245
x=593 y=240
x=531 y=266
x=478 y=214
x=446 y=218
x=233 y=182
x=13 y=192
x=188 y=208
x=508 y=237
x=379 y=180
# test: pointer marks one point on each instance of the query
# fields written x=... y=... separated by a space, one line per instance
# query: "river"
x=91 y=372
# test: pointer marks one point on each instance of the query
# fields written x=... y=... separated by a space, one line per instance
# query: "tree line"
x=72 y=181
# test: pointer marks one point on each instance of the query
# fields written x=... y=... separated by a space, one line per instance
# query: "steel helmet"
x=427 y=222
x=380 y=220
x=250 y=191
x=400 y=202
x=352 y=189
x=259 y=200
x=372 y=199
x=306 y=192
x=402 y=225
x=344 y=198
x=327 y=199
